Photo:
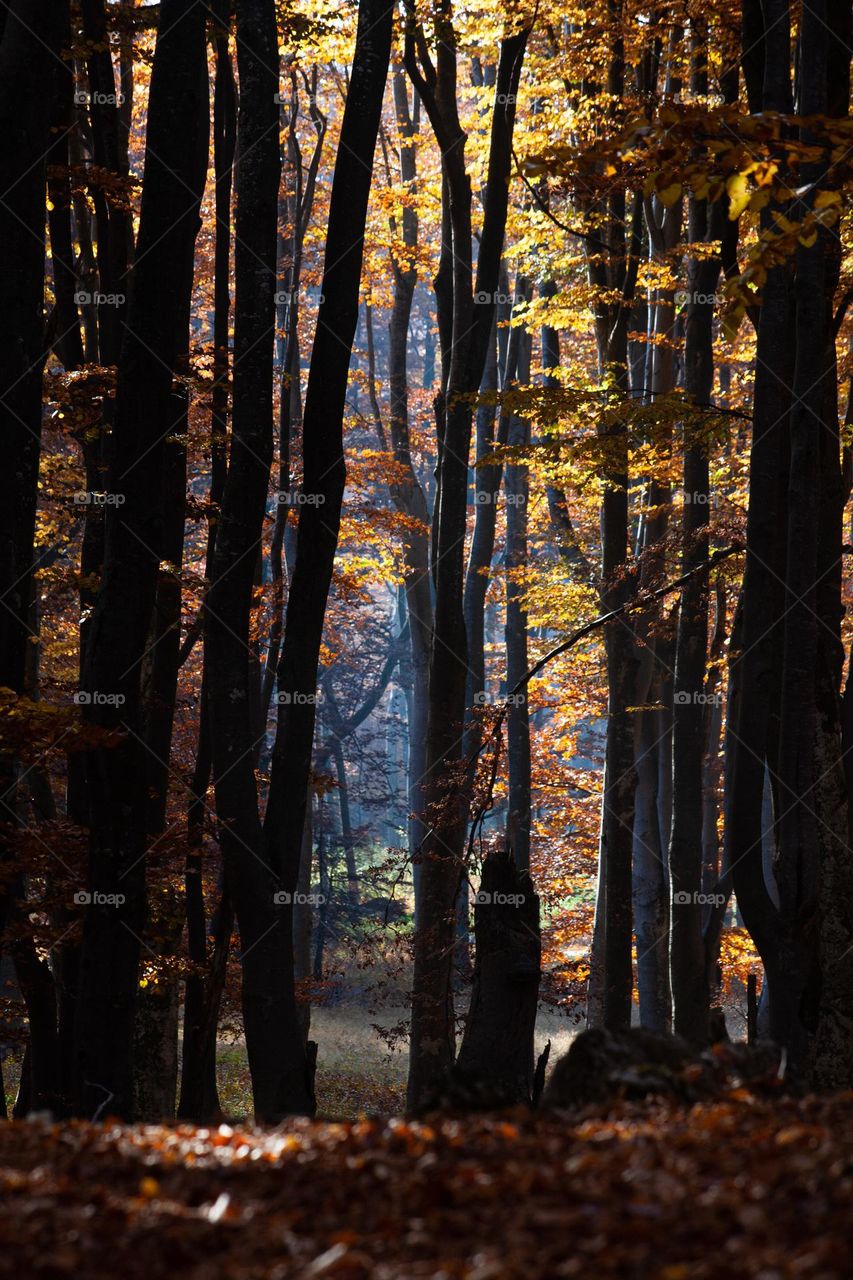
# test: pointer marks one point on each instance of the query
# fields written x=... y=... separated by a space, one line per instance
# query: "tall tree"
x=464 y=350
x=175 y=169
x=277 y=1067
x=29 y=47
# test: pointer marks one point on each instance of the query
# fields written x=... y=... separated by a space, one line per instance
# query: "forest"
x=426 y=656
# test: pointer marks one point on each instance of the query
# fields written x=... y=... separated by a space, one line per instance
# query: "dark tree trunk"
x=346 y=822
x=518 y=714
x=611 y=976
x=690 y=992
x=28 y=55
x=175 y=168
x=44 y=1091
x=112 y=218
x=497 y=1047
x=755 y=688
x=68 y=343
x=276 y=1057
x=813 y=869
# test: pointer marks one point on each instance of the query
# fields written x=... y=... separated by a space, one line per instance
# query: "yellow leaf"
x=738 y=189
x=731 y=321
x=670 y=194
x=825 y=198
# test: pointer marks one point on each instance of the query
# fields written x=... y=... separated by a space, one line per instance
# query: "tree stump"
x=497 y=1047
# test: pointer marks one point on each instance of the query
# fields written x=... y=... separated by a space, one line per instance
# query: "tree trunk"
x=175 y=167
x=323 y=465
x=198 y=1100
x=28 y=53
x=432 y=1035
x=688 y=974
x=497 y=1047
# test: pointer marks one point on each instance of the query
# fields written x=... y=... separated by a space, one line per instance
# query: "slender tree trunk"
x=323 y=464
x=273 y=1040
x=408 y=495
x=688 y=975
x=198 y=1100
x=518 y=715
x=432 y=1038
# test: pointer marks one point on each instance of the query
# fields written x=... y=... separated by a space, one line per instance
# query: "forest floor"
x=740 y=1187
